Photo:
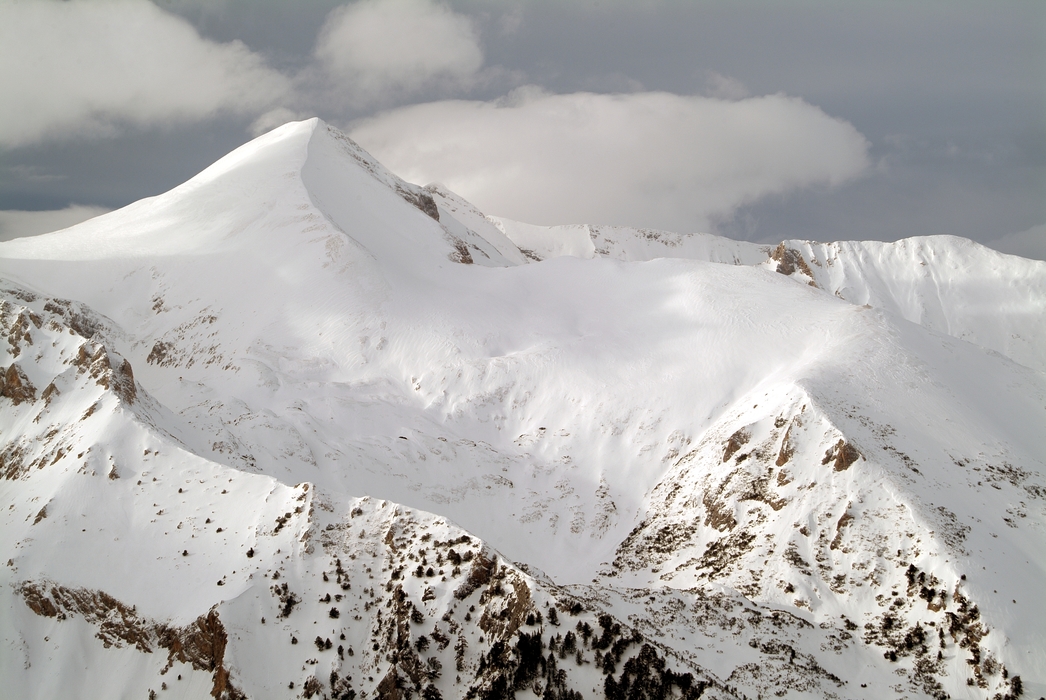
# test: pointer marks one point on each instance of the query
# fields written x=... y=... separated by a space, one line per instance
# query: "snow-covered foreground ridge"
x=298 y=428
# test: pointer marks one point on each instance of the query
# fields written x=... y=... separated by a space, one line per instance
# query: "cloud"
x=18 y=224
x=87 y=68
x=649 y=159
x=274 y=118
x=380 y=48
x=725 y=87
x=1027 y=244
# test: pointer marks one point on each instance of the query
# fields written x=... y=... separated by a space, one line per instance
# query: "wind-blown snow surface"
x=298 y=389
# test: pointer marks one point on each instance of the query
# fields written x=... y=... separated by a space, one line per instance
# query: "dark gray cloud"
x=951 y=97
x=116 y=171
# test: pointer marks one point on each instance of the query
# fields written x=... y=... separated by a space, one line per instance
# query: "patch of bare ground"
x=76 y=316
x=13 y=461
x=956 y=631
x=719 y=513
x=841 y=455
x=461 y=252
x=802 y=673
x=422 y=200
x=15 y=385
x=201 y=643
x=951 y=530
x=16 y=323
x=502 y=621
x=109 y=371
x=789 y=260
x=160 y=354
x=188 y=344
x=479 y=575
x=96 y=363
x=844 y=520
x=20 y=294
x=735 y=442
x=793 y=557
x=727 y=501
x=721 y=555
x=524 y=640
x=50 y=391
x=16 y=460
x=787 y=445
x=758 y=489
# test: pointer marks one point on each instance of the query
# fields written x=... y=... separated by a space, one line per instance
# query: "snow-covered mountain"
x=298 y=428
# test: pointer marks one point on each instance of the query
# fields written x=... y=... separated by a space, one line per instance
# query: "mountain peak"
x=745 y=470
x=300 y=184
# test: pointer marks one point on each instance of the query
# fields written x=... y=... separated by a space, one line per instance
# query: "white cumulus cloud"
x=88 y=67
x=648 y=159
x=378 y=48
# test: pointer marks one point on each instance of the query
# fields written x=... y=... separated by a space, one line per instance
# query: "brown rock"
x=842 y=454
x=16 y=386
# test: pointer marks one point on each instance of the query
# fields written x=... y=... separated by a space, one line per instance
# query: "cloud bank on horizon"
x=402 y=76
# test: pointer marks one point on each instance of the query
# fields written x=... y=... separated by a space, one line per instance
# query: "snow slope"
x=829 y=474
x=948 y=284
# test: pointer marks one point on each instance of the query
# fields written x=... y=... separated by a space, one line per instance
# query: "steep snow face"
x=947 y=284
x=660 y=436
x=356 y=195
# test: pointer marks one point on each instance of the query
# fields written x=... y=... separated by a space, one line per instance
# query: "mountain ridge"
x=636 y=428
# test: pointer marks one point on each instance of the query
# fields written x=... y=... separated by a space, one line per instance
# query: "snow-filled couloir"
x=585 y=459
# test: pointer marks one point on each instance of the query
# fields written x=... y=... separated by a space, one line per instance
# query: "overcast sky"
x=761 y=121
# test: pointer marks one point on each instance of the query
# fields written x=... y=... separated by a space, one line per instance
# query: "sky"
x=759 y=121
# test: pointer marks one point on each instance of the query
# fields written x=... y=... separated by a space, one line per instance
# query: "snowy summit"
x=298 y=428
